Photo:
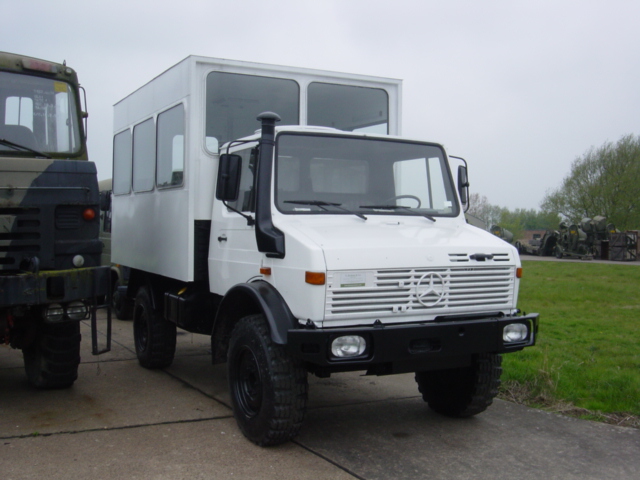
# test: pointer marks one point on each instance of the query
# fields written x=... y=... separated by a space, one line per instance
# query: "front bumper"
x=53 y=286
x=412 y=347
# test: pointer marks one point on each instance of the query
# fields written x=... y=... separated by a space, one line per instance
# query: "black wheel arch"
x=246 y=299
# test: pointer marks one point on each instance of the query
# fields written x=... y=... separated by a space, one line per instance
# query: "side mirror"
x=228 y=184
x=105 y=200
x=463 y=185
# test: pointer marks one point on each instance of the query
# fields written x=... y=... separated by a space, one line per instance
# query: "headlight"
x=515 y=332
x=54 y=312
x=348 y=346
x=77 y=311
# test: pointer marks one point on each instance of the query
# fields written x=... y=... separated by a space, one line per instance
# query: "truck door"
x=233 y=252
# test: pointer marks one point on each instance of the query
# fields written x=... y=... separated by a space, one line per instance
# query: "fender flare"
x=245 y=299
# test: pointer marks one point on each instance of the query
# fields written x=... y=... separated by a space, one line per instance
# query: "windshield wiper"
x=397 y=207
x=17 y=146
x=321 y=204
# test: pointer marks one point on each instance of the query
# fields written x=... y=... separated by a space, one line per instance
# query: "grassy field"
x=587 y=358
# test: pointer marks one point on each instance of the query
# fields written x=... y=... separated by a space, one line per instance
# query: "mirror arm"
x=250 y=221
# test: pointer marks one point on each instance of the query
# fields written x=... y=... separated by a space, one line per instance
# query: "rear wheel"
x=154 y=337
x=52 y=359
x=268 y=387
x=462 y=392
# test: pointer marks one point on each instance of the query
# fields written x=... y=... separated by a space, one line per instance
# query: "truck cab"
x=50 y=274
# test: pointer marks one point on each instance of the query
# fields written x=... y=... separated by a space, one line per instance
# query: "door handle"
x=222 y=238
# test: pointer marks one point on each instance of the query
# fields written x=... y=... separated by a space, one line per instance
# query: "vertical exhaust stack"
x=270 y=240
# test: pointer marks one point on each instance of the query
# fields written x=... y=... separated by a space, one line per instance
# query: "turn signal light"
x=89 y=214
x=315 y=278
x=519 y=272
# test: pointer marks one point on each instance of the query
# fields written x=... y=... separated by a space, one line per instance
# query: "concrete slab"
x=112 y=394
x=203 y=449
x=403 y=439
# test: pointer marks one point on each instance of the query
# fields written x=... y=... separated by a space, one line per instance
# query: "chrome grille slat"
x=394 y=293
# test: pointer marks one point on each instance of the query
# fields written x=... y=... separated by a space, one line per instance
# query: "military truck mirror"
x=105 y=200
x=463 y=184
x=228 y=184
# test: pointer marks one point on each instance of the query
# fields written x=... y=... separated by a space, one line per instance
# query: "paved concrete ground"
x=120 y=421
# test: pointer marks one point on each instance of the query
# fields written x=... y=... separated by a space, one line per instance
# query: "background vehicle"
x=119 y=275
x=50 y=273
x=328 y=245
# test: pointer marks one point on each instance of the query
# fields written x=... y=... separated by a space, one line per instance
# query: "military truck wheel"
x=52 y=360
x=154 y=337
x=268 y=387
x=462 y=392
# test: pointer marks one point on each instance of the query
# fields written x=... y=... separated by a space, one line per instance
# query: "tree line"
x=603 y=181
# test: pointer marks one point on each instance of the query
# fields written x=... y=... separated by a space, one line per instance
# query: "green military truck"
x=50 y=273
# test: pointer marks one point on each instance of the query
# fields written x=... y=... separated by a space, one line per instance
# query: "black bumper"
x=411 y=347
x=53 y=286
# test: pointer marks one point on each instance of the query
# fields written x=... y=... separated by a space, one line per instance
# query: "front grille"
x=395 y=293
x=68 y=217
x=19 y=234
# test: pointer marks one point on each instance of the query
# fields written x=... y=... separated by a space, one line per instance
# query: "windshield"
x=319 y=174
x=37 y=115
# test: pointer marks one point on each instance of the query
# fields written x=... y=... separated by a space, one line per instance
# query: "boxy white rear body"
x=153 y=230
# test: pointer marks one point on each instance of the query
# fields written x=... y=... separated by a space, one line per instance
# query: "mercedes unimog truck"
x=50 y=274
x=278 y=211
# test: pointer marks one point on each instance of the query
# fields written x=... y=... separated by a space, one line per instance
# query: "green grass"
x=587 y=357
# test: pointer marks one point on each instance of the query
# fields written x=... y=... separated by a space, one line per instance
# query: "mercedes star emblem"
x=430 y=289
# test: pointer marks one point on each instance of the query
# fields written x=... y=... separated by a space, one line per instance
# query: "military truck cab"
x=321 y=243
x=50 y=273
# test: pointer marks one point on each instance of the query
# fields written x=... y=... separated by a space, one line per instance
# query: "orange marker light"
x=519 y=272
x=265 y=270
x=315 y=278
x=89 y=214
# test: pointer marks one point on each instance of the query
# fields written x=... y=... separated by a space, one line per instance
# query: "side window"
x=421 y=178
x=349 y=108
x=246 y=197
x=122 y=163
x=170 y=147
x=144 y=156
x=235 y=100
x=19 y=111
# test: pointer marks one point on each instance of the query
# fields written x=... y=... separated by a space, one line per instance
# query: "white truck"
x=328 y=244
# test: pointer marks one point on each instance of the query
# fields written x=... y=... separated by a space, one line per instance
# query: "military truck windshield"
x=38 y=114
x=316 y=174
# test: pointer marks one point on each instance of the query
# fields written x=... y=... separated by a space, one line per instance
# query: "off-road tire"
x=154 y=337
x=268 y=386
x=52 y=360
x=462 y=392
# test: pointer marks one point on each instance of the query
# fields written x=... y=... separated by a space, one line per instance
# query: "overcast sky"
x=518 y=88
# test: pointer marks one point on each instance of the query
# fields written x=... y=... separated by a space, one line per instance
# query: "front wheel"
x=462 y=392
x=154 y=337
x=268 y=387
x=52 y=360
